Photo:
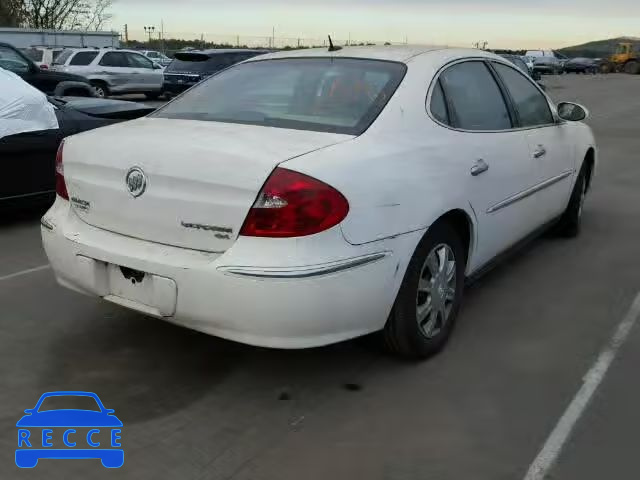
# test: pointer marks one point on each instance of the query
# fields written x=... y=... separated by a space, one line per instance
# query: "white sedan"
x=304 y=198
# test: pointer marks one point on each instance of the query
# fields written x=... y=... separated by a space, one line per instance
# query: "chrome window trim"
x=436 y=77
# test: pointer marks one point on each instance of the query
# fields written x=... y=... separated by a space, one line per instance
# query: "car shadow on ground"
x=146 y=368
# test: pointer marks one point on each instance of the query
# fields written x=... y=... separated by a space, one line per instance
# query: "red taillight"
x=294 y=205
x=44 y=67
x=61 y=186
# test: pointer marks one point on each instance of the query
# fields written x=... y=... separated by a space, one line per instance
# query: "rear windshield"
x=200 y=63
x=33 y=53
x=321 y=94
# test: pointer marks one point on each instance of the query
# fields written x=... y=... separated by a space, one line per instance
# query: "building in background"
x=27 y=37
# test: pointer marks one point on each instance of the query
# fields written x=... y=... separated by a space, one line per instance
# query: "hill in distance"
x=600 y=48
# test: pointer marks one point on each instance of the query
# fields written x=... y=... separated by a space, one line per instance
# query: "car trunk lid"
x=178 y=182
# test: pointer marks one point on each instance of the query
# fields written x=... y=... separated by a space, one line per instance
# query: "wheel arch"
x=589 y=164
x=464 y=224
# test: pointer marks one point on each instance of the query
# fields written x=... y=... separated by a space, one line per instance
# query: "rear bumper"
x=294 y=303
x=175 y=88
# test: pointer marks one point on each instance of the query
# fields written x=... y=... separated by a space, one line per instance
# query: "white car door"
x=481 y=133
x=149 y=78
x=553 y=161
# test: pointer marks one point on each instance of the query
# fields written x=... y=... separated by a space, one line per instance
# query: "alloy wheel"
x=436 y=290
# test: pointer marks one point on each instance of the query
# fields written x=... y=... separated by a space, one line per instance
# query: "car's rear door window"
x=475 y=98
x=83 y=58
x=438 y=105
x=323 y=94
x=114 y=59
x=139 y=61
x=531 y=105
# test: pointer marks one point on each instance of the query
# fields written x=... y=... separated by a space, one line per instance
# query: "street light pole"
x=149 y=30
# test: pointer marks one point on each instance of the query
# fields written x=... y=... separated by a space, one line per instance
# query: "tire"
x=571 y=220
x=632 y=67
x=404 y=334
x=101 y=89
x=606 y=68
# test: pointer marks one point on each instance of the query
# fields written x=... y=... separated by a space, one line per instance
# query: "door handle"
x=539 y=152
x=479 y=167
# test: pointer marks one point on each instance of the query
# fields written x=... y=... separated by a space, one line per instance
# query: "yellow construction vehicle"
x=624 y=60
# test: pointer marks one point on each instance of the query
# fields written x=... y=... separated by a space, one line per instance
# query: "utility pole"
x=273 y=37
x=162 y=35
x=126 y=34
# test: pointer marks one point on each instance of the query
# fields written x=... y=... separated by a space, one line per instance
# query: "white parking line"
x=25 y=272
x=591 y=381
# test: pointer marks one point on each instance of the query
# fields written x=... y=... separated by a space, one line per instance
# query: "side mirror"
x=109 y=411
x=157 y=67
x=29 y=410
x=572 y=112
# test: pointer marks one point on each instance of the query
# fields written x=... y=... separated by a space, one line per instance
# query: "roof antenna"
x=332 y=47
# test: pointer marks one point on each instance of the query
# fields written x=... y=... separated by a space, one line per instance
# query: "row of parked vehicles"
x=111 y=71
x=119 y=71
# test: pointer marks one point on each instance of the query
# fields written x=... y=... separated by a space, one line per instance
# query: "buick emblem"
x=136 y=181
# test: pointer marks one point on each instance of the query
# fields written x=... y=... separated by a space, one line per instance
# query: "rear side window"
x=62 y=58
x=474 y=97
x=114 y=59
x=439 y=105
x=531 y=105
x=83 y=58
x=33 y=53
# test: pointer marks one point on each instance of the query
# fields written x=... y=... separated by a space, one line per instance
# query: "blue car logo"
x=91 y=432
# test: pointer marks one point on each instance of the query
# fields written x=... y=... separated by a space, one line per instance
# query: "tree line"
x=55 y=14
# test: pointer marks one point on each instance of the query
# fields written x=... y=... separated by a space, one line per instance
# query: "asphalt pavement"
x=198 y=407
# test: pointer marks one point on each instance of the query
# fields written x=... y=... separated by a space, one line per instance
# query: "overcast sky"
x=503 y=23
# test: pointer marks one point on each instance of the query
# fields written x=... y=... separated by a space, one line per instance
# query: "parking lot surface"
x=197 y=407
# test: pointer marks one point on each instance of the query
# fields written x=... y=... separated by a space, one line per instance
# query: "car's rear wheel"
x=429 y=299
x=632 y=67
x=571 y=221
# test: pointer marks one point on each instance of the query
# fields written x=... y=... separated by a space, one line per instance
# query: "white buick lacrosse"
x=304 y=198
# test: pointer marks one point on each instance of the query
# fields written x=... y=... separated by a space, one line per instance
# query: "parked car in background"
x=156 y=57
x=47 y=81
x=520 y=63
x=190 y=67
x=42 y=56
x=113 y=71
x=582 y=65
x=31 y=128
x=529 y=61
x=316 y=184
x=547 y=61
x=28 y=158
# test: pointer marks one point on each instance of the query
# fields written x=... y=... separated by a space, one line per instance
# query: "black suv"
x=46 y=81
x=189 y=68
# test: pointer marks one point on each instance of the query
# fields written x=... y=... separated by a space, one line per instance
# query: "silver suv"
x=113 y=71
